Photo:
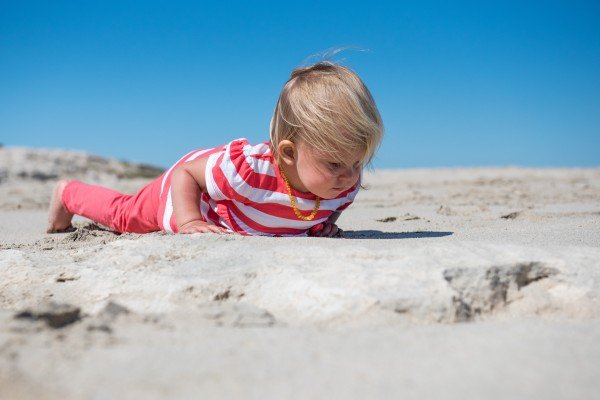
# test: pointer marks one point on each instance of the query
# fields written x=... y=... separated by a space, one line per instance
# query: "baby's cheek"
x=330 y=176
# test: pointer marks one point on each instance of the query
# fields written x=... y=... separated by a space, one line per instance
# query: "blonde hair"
x=328 y=107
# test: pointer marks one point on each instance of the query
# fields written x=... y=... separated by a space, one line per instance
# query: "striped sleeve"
x=232 y=174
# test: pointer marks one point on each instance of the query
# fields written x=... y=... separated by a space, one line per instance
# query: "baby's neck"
x=291 y=174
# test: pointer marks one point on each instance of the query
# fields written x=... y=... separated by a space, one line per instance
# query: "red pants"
x=135 y=213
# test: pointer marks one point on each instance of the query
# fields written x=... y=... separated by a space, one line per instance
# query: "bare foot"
x=59 y=219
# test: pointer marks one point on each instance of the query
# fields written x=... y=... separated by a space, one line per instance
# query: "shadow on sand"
x=372 y=234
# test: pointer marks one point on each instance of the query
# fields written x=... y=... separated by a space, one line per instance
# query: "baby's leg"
x=118 y=211
x=59 y=219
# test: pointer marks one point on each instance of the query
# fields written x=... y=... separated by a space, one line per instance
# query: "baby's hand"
x=326 y=229
x=198 y=226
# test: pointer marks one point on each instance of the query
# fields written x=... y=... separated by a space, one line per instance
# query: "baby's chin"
x=332 y=194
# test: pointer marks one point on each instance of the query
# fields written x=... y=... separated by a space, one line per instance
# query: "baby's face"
x=324 y=176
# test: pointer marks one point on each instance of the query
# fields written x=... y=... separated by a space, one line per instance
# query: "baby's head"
x=328 y=108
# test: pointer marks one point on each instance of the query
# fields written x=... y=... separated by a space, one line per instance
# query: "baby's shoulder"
x=241 y=150
x=243 y=146
x=251 y=160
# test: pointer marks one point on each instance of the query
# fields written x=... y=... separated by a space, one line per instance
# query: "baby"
x=325 y=129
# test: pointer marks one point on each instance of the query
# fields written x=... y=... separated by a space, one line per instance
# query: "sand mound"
x=43 y=165
x=26 y=175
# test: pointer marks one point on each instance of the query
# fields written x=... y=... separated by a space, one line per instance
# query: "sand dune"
x=452 y=283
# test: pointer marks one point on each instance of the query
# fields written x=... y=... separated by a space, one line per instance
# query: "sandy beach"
x=450 y=283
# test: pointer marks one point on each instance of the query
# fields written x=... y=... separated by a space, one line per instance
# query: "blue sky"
x=457 y=83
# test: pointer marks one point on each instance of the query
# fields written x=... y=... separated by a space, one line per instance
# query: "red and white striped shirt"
x=245 y=193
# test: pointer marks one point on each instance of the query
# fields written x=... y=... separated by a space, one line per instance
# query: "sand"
x=450 y=283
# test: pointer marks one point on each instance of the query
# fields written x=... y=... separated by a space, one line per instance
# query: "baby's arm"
x=187 y=184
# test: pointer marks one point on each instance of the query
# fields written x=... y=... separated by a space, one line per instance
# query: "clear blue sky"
x=457 y=83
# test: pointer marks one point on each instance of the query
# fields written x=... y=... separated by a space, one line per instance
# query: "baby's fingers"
x=333 y=231
x=330 y=230
x=215 y=229
x=202 y=229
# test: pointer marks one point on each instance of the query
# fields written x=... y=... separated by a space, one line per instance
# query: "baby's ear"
x=287 y=152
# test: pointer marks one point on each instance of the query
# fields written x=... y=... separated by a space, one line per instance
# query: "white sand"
x=449 y=300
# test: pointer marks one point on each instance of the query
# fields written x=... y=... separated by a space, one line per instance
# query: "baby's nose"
x=347 y=174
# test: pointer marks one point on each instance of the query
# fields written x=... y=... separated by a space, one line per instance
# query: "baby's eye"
x=334 y=165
